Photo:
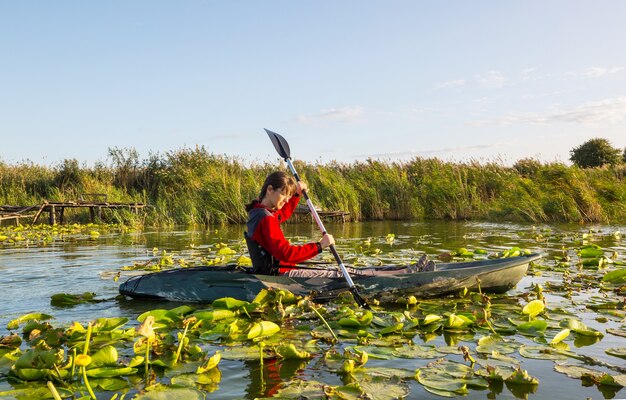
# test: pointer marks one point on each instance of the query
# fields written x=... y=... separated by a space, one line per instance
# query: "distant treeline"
x=193 y=186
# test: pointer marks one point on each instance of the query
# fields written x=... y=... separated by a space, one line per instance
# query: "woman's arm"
x=269 y=235
x=285 y=213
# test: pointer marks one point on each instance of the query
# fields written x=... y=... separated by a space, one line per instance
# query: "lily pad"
x=108 y=324
x=417 y=351
x=242 y=353
x=310 y=390
x=535 y=327
x=105 y=357
x=110 y=372
x=68 y=300
x=540 y=353
x=534 y=308
x=489 y=344
x=384 y=389
x=615 y=276
x=229 y=303
x=170 y=393
x=210 y=363
x=575 y=371
x=263 y=329
x=562 y=335
x=289 y=351
x=616 y=352
x=14 y=324
x=449 y=378
x=579 y=327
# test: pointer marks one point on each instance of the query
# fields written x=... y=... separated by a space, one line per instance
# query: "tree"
x=595 y=153
x=624 y=156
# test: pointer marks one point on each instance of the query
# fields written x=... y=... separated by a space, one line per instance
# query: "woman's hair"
x=278 y=180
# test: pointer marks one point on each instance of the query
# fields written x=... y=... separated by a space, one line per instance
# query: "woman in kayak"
x=270 y=252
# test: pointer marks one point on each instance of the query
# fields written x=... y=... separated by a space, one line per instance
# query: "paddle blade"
x=280 y=144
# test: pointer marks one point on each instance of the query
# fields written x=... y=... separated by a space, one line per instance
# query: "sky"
x=340 y=80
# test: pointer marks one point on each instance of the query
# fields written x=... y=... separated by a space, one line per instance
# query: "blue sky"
x=341 y=80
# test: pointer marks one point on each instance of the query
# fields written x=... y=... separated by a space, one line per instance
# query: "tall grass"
x=194 y=186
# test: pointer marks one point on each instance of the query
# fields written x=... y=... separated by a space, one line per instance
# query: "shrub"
x=595 y=153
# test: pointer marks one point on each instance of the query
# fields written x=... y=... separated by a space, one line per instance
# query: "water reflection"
x=29 y=276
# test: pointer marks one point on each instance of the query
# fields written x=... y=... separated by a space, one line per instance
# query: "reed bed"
x=196 y=187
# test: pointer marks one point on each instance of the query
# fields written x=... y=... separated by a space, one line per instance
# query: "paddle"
x=282 y=147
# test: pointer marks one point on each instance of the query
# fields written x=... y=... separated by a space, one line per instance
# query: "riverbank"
x=193 y=186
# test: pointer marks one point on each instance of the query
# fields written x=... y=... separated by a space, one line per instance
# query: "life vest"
x=263 y=262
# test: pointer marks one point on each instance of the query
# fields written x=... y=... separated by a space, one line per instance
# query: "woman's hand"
x=300 y=186
x=327 y=241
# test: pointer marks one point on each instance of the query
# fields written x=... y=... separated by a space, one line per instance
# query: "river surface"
x=30 y=275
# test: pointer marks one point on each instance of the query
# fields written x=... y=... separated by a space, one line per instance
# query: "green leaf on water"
x=448 y=377
x=105 y=357
x=241 y=353
x=108 y=324
x=161 y=392
x=575 y=371
x=489 y=344
x=616 y=352
x=522 y=377
x=562 y=335
x=110 y=372
x=540 y=353
x=621 y=332
x=534 y=308
x=351 y=391
x=579 y=327
x=210 y=363
x=109 y=384
x=214 y=315
x=417 y=351
x=295 y=389
x=349 y=322
x=164 y=317
x=533 y=327
x=229 y=303
x=14 y=324
x=289 y=351
x=391 y=329
x=263 y=329
x=590 y=251
x=615 y=276
x=67 y=300
x=384 y=389
x=430 y=318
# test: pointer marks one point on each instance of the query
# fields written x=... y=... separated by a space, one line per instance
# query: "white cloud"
x=433 y=152
x=607 y=111
x=344 y=114
x=597 y=72
x=492 y=79
x=452 y=84
x=529 y=74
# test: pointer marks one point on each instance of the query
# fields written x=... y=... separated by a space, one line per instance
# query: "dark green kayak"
x=205 y=284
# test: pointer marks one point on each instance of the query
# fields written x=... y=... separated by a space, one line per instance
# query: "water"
x=29 y=276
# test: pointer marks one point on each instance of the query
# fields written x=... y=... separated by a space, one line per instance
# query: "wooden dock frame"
x=304 y=213
x=54 y=208
x=15 y=213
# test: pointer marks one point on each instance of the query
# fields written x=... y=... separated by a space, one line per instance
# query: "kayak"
x=206 y=284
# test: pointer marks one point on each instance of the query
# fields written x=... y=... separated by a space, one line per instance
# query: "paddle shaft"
x=320 y=225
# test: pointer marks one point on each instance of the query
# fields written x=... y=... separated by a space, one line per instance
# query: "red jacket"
x=264 y=228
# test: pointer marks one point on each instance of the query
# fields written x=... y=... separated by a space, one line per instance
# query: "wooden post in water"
x=52 y=218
